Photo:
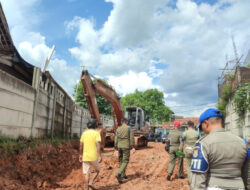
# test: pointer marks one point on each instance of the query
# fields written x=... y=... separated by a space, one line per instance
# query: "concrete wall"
x=49 y=111
x=234 y=124
x=16 y=106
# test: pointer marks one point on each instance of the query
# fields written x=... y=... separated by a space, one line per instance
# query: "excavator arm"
x=91 y=87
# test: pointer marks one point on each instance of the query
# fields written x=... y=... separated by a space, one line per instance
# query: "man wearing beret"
x=175 y=146
x=218 y=156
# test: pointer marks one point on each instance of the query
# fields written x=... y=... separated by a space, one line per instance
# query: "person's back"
x=124 y=141
x=246 y=167
x=217 y=157
x=227 y=153
x=191 y=136
x=125 y=138
x=90 y=153
x=89 y=139
x=175 y=146
x=174 y=137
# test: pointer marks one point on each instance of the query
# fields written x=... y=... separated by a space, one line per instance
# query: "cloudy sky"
x=176 y=46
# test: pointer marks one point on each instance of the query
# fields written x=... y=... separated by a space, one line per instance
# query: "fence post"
x=64 y=116
x=36 y=86
x=53 y=113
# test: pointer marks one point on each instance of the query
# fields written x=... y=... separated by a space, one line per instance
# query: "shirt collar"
x=217 y=130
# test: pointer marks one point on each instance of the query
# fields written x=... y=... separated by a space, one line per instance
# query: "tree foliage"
x=151 y=101
x=103 y=104
x=242 y=100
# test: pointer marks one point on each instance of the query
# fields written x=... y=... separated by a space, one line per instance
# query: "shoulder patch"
x=199 y=161
x=248 y=150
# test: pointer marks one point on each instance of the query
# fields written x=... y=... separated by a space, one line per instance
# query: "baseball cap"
x=211 y=112
x=177 y=124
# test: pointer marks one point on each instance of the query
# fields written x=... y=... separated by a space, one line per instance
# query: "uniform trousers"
x=124 y=155
x=172 y=160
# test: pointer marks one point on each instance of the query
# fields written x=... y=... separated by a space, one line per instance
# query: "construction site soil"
x=50 y=167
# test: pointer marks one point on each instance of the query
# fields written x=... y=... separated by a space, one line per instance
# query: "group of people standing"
x=217 y=161
x=177 y=139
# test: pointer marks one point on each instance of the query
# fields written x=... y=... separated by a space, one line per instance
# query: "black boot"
x=169 y=177
x=119 y=178
x=125 y=177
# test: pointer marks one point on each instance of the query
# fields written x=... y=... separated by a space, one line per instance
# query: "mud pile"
x=39 y=169
x=51 y=167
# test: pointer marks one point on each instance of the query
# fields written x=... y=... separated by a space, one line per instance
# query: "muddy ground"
x=51 y=167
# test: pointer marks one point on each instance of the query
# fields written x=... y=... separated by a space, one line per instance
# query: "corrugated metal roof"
x=6 y=43
x=10 y=60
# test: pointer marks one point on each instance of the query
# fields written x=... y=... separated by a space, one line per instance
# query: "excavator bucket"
x=140 y=142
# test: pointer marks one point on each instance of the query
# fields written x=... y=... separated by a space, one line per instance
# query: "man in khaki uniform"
x=217 y=157
x=124 y=141
x=175 y=145
x=246 y=168
x=189 y=137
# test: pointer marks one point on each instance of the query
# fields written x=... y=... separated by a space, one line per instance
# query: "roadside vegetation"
x=242 y=100
x=152 y=102
x=10 y=146
x=240 y=97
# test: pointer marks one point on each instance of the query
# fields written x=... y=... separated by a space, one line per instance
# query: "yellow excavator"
x=92 y=86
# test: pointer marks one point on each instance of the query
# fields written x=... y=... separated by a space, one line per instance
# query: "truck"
x=93 y=86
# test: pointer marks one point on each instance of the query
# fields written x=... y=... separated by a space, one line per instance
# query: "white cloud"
x=67 y=76
x=21 y=17
x=34 y=54
x=190 y=39
x=32 y=46
x=130 y=22
x=90 y=52
x=130 y=81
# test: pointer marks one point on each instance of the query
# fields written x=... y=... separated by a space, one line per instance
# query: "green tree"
x=151 y=101
x=103 y=104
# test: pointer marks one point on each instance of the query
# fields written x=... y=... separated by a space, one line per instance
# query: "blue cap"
x=211 y=112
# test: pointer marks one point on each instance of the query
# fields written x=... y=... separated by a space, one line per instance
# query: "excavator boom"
x=90 y=94
x=91 y=87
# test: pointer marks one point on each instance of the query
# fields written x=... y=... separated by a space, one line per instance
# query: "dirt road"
x=147 y=171
x=57 y=168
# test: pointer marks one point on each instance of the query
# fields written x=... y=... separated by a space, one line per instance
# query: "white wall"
x=234 y=124
x=16 y=106
x=17 y=102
